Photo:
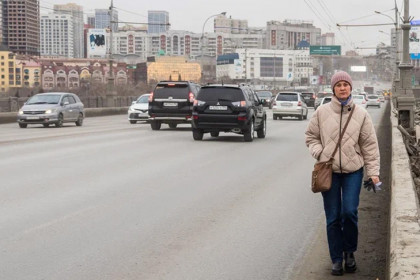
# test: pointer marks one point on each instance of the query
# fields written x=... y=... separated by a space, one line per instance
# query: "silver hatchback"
x=51 y=108
x=290 y=104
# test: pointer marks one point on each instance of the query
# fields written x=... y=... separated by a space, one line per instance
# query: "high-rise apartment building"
x=57 y=35
x=288 y=34
x=224 y=24
x=1 y=23
x=158 y=21
x=328 y=39
x=21 y=26
x=91 y=21
x=103 y=19
x=76 y=12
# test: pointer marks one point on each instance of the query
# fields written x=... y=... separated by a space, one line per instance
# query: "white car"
x=359 y=100
x=324 y=100
x=139 y=109
x=290 y=104
x=373 y=100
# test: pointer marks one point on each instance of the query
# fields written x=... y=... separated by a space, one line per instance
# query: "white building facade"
x=57 y=35
x=76 y=12
x=263 y=66
x=288 y=34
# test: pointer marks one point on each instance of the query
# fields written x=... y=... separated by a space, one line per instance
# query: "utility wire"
x=332 y=19
x=316 y=14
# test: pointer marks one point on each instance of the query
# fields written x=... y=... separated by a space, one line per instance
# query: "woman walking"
x=358 y=149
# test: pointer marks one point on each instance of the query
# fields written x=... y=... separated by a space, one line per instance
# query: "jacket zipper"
x=339 y=146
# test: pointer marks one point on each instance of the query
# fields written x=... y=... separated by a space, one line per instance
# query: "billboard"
x=325 y=50
x=414 y=39
x=358 y=68
x=96 y=41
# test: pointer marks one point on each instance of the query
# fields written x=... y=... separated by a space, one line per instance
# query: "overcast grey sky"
x=191 y=14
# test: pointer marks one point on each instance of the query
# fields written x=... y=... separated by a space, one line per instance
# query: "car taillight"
x=242 y=118
x=299 y=103
x=313 y=96
x=191 y=97
x=195 y=117
x=364 y=101
x=151 y=97
x=274 y=103
x=239 y=103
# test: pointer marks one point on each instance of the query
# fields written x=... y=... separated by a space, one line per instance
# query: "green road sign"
x=325 y=50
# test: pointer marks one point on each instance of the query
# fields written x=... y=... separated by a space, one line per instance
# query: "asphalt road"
x=111 y=200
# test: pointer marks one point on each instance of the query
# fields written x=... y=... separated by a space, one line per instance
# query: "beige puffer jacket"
x=359 y=146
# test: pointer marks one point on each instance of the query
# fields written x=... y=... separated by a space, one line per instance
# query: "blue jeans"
x=340 y=205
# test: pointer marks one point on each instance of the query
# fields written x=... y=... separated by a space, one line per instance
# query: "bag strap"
x=344 y=130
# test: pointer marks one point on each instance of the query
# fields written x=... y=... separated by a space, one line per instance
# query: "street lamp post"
x=202 y=40
x=396 y=62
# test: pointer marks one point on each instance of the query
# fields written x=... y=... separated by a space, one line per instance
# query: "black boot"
x=337 y=268
x=349 y=262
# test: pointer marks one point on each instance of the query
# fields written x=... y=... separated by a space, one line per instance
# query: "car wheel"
x=214 y=134
x=23 y=125
x=60 y=121
x=300 y=117
x=280 y=117
x=305 y=117
x=249 y=133
x=45 y=124
x=133 y=122
x=79 y=121
x=155 y=125
x=172 y=125
x=197 y=134
x=263 y=130
x=274 y=117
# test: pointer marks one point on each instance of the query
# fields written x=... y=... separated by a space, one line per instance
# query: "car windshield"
x=358 y=97
x=326 y=100
x=264 y=94
x=44 y=99
x=173 y=90
x=324 y=94
x=143 y=99
x=310 y=94
x=287 y=97
x=220 y=93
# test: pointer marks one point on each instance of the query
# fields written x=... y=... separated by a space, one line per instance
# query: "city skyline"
x=325 y=14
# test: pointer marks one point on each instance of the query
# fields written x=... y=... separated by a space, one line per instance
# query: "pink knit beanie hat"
x=341 y=76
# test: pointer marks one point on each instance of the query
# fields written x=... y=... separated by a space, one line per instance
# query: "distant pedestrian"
x=358 y=149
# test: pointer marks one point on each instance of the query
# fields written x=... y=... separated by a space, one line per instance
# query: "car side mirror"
x=66 y=103
x=262 y=102
x=134 y=102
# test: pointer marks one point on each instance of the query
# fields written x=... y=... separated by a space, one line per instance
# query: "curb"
x=11 y=117
x=404 y=250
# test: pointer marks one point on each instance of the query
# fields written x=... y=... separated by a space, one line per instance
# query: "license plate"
x=219 y=108
x=170 y=104
x=32 y=118
x=286 y=104
x=306 y=98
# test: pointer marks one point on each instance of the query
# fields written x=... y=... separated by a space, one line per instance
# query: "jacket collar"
x=336 y=105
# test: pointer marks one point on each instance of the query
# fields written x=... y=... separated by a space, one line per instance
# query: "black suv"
x=228 y=108
x=171 y=103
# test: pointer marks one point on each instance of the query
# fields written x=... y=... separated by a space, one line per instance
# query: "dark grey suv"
x=228 y=108
x=51 y=108
x=171 y=103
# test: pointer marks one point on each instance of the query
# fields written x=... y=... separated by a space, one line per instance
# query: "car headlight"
x=20 y=112
x=49 y=111
x=131 y=108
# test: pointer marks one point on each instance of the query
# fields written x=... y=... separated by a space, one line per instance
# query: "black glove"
x=369 y=185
